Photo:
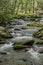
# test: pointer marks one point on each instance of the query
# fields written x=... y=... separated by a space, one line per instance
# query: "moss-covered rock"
x=39 y=42
x=18 y=47
x=39 y=34
x=2 y=40
x=4 y=33
x=23 y=44
x=32 y=25
x=35 y=24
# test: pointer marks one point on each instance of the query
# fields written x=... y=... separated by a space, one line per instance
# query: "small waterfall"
x=5 y=46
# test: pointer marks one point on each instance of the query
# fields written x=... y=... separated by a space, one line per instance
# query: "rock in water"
x=23 y=43
x=3 y=53
x=4 y=33
x=39 y=34
x=40 y=42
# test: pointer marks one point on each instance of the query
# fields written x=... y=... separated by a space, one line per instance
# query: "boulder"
x=3 y=53
x=4 y=33
x=24 y=43
x=39 y=34
x=40 y=42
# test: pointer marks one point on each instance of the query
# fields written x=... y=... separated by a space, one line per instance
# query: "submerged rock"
x=3 y=53
x=1 y=61
x=21 y=44
x=24 y=59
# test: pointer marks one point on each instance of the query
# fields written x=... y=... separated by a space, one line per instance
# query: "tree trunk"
x=33 y=6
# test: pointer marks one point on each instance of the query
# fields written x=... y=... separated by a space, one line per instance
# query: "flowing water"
x=19 y=57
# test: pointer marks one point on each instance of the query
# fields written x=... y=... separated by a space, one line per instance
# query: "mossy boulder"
x=18 y=47
x=35 y=24
x=2 y=40
x=39 y=42
x=23 y=44
x=4 y=33
x=39 y=34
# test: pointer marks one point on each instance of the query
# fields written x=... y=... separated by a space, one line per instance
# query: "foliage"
x=9 y=8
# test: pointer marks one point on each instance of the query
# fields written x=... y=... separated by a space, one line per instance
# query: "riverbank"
x=20 y=16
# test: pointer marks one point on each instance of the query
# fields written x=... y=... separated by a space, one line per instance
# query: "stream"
x=20 y=57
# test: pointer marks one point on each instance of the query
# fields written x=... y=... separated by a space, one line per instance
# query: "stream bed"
x=19 y=57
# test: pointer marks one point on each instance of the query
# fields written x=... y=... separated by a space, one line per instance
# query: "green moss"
x=23 y=44
x=4 y=33
x=39 y=34
x=10 y=16
x=40 y=42
x=32 y=25
x=17 y=47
